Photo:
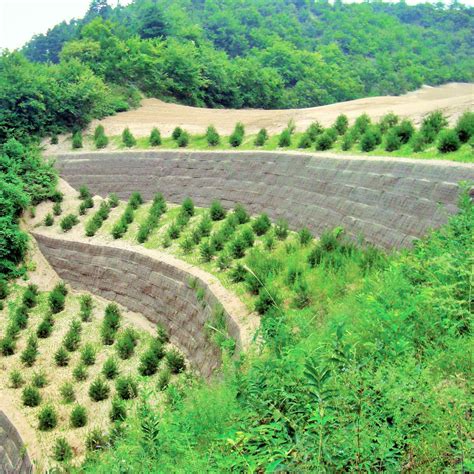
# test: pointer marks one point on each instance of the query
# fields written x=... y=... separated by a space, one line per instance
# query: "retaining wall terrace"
x=388 y=201
x=13 y=456
x=157 y=289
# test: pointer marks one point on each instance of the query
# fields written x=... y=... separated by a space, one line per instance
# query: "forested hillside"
x=282 y=53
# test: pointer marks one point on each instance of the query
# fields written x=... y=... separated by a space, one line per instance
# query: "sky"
x=21 y=19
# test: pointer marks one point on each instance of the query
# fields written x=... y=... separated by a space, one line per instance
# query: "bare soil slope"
x=453 y=99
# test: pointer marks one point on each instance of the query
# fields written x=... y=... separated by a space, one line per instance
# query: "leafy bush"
x=465 y=126
x=261 y=138
x=118 y=410
x=369 y=139
x=237 y=136
x=284 y=140
x=126 y=387
x=101 y=141
x=16 y=379
x=177 y=133
x=126 y=343
x=80 y=372
x=31 y=397
x=68 y=222
x=405 y=131
x=325 y=141
x=188 y=207
x=393 y=141
x=62 y=451
x=30 y=295
x=175 y=361
x=48 y=220
x=216 y=211
x=148 y=363
x=418 y=142
x=47 y=418
x=72 y=338
x=110 y=368
x=361 y=124
x=45 y=327
x=206 y=251
x=67 y=392
x=30 y=354
x=305 y=141
x=77 y=140
x=388 y=121
x=341 y=124
x=155 y=137
x=99 y=390
x=448 y=141
x=88 y=354
x=183 y=140
x=432 y=124
x=313 y=130
x=56 y=300
x=262 y=224
x=78 y=417
x=212 y=137
x=61 y=357
x=128 y=139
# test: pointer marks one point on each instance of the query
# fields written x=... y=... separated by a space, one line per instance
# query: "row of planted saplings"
x=390 y=131
x=125 y=341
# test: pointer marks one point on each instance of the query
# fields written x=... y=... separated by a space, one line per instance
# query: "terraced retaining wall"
x=157 y=289
x=13 y=456
x=388 y=201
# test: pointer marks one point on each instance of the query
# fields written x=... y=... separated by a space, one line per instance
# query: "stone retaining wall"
x=154 y=288
x=13 y=456
x=388 y=201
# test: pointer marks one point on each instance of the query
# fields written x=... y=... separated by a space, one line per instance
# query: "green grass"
x=198 y=142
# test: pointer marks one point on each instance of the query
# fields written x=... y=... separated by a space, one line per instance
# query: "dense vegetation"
x=360 y=363
x=257 y=53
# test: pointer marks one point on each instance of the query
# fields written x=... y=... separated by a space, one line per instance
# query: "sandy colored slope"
x=453 y=99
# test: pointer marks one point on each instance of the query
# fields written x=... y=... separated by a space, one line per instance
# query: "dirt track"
x=453 y=99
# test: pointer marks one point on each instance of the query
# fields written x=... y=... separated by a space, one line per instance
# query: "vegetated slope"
x=451 y=99
x=277 y=54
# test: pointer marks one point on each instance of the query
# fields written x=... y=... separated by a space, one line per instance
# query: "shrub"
x=45 y=327
x=361 y=124
x=67 y=392
x=3 y=289
x=77 y=140
x=61 y=357
x=128 y=139
x=237 y=247
x=155 y=137
x=57 y=196
x=175 y=361
x=72 y=337
x=56 y=301
x=112 y=316
x=405 y=131
x=54 y=139
x=48 y=220
x=223 y=261
x=99 y=390
x=267 y=299
x=113 y=200
x=84 y=193
x=237 y=135
x=241 y=214
x=418 y=142
x=47 y=418
x=96 y=440
x=281 y=229
x=324 y=141
x=187 y=207
x=448 y=141
x=177 y=133
x=368 y=141
x=261 y=224
x=217 y=212
x=183 y=140
x=284 y=140
x=148 y=363
x=341 y=124
x=465 y=126
x=162 y=333
x=206 y=251
x=101 y=141
x=78 y=417
x=126 y=387
x=432 y=124
x=118 y=410
x=205 y=226
x=57 y=210
x=393 y=141
x=86 y=306
x=314 y=130
x=62 y=450
x=68 y=222
x=16 y=379
x=302 y=297
x=80 y=372
x=7 y=345
x=126 y=343
x=29 y=355
x=135 y=200
x=248 y=237
x=164 y=379
x=30 y=397
x=305 y=141
x=39 y=380
x=261 y=138
x=30 y=295
x=212 y=136
x=21 y=317
x=110 y=368
x=388 y=121
x=88 y=354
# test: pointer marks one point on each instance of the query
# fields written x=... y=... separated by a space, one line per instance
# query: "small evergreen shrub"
x=155 y=137
x=393 y=141
x=267 y=298
x=96 y=440
x=67 y=392
x=237 y=136
x=68 y=222
x=72 y=338
x=86 y=306
x=448 y=141
x=78 y=417
x=183 y=140
x=261 y=138
x=61 y=357
x=187 y=245
x=47 y=418
x=39 y=380
x=224 y=261
x=48 y=220
x=77 y=140
x=418 y=142
x=45 y=327
x=212 y=137
x=118 y=410
x=57 y=196
x=80 y=372
x=7 y=345
x=3 y=289
x=432 y=124
x=30 y=354
x=187 y=207
x=113 y=200
x=281 y=229
x=126 y=387
x=302 y=297
x=101 y=141
x=54 y=139
x=341 y=124
x=465 y=126
x=314 y=130
x=99 y=390
x=16 y=379
x=347 y=142
x=162 y=334
x=88 y=354
x=175 y=361
x=163 y=379
x=248 y=237
x=241 y=214
x=56 y=300
x=305 y=236
x=284 y=140
x=368 y=141
x=325 y=141
x=305 y=141
x=30 y=296
x=30 y=396
x=128 y=139
x=237 y=247
x=206 y=251
x=217 y=212
x=110 y=368
x=126 y=343
x=57 y=210
x=405 y=131
x=62 y=451
x=177 y=133
x=21 y=317
x=361 y=124
x=388 y=121
x=238 y=273
x=148 y=363
x=84 y=193
x=261 y=225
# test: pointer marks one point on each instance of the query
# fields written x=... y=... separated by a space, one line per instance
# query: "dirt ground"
x=453 y=99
